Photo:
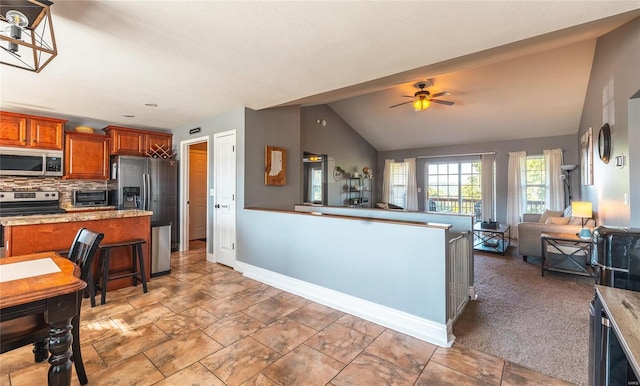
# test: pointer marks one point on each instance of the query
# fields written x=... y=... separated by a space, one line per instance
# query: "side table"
x=574 y=250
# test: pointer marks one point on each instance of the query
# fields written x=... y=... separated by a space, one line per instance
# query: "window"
x=399 y=176
x=454 y=187
x=535 y=189
x=316 y=185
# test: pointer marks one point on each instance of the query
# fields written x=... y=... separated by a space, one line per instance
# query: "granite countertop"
x=623 y=308
x=71 y=208
x=71 y=217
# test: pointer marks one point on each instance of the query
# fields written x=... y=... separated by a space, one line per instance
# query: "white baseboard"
x=427 y=330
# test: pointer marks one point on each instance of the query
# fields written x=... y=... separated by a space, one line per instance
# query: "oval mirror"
x=604 y=143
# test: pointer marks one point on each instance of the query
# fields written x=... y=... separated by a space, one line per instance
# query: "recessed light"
x=151 y=104
x=129 y=116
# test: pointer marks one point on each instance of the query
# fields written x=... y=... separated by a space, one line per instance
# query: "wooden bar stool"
x=103 y=268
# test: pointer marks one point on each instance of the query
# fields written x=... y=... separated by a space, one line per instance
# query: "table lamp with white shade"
x=582 y=209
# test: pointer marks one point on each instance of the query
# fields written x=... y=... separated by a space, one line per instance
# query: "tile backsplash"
x=64 y=187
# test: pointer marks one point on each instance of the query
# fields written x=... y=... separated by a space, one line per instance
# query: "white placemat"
x=24 y=269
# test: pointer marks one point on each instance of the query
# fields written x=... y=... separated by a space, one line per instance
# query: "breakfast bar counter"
x=31 y=234
x=72 y=217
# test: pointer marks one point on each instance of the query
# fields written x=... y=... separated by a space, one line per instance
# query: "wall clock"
x=604 y=143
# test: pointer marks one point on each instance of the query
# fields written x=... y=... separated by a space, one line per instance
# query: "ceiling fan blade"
x=443 y=102
x=408 y=96
x=440 y=94
x=400 y=104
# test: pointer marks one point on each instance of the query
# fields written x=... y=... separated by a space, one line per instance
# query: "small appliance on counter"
x=616 y=257
x=89 y=198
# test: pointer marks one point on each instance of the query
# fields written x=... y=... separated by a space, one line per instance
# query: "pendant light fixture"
x=26 y=34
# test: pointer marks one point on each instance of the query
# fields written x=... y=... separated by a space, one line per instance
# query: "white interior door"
x=224 y=228
x=197 y=194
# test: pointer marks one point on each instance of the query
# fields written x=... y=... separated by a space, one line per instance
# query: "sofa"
x=533 y=225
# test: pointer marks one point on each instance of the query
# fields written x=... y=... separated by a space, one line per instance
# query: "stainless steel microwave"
x=30 y=162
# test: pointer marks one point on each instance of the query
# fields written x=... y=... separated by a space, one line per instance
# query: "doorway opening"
x=315 y=178
x=194 y=197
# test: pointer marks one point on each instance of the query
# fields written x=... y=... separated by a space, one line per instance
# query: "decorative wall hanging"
x=275 y=166
x=604 y=143
x=586 y=157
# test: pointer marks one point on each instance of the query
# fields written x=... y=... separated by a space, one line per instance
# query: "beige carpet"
x=538 y=322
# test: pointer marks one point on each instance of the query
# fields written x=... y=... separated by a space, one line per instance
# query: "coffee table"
x=491 y=240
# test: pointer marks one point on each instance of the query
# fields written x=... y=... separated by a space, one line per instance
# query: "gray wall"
x=531 y=146
x=341 y=254
x=617 y=57
x=272 y=127
x=343 y=145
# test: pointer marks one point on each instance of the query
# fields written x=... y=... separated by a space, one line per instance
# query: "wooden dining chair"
x=28 y=329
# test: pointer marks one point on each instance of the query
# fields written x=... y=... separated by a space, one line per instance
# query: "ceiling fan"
x=422 y=99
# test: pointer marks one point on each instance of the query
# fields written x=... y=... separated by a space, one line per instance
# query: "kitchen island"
x=30 y=234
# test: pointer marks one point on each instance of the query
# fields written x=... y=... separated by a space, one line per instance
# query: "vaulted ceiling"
x=514 y=69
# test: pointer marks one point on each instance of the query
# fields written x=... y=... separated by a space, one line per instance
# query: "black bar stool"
x=103 y=268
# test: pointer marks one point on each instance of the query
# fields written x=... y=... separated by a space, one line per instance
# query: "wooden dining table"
x=44 y=283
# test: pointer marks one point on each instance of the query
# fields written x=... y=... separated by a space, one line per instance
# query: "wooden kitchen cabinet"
x=86 y=156
x=125 y=141
x=29 y=131
x=128 y=141
x=157 y=140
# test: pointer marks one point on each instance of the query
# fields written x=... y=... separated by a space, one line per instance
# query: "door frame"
x=184 y=190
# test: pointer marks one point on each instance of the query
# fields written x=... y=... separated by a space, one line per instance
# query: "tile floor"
x=205 y=324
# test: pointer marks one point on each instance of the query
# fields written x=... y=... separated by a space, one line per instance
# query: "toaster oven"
x=89 y=198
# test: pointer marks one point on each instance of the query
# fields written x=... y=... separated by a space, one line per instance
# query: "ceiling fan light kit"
x=26 y=34
x=421 y=103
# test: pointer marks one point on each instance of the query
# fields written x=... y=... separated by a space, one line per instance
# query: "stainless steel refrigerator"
x=148 y=184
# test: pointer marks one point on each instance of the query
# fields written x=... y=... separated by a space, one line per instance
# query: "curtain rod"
x=454 y=155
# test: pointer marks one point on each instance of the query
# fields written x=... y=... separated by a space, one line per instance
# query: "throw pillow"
x=568 y=211
x=576 y=221
x=558 y=220
x=549 y=213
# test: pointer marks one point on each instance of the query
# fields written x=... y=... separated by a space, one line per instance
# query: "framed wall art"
x=275 y=166
x=586 y=157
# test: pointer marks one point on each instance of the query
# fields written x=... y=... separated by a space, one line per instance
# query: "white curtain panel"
x=487 y=186
x=554 y=199
x=386 y=181
x=516 y=198
x=412 y=186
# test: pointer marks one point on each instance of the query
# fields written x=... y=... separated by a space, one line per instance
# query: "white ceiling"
x=521 y=65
